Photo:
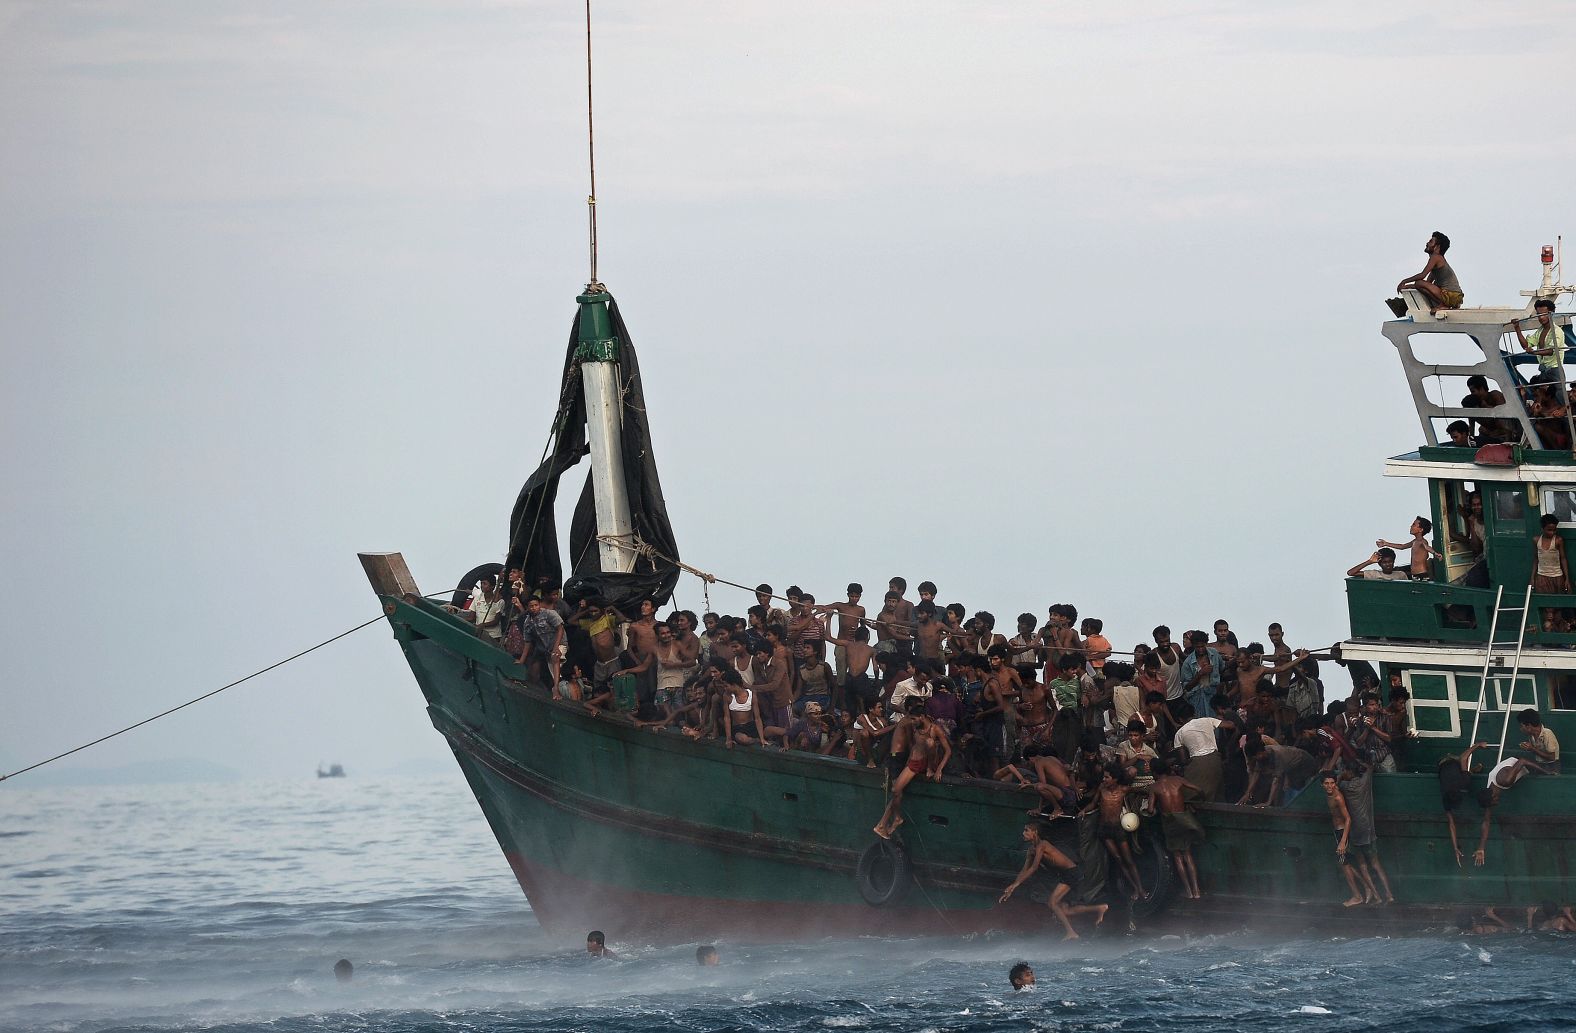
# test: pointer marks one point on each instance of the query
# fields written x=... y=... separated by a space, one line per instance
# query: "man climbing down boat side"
x=1050 y=864
x=924 y=751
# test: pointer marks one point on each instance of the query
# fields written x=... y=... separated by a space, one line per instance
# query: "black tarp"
x=533 y=532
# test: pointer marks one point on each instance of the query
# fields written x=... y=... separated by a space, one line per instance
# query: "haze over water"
x=182 y=907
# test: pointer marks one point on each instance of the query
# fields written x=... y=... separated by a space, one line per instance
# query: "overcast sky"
x=1045 y=302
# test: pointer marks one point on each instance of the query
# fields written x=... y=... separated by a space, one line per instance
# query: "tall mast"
x=600 y=377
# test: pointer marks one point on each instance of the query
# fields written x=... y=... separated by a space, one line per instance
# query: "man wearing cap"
x=813 y=733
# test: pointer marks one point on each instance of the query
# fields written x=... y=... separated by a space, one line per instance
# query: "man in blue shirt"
x=1201 y=674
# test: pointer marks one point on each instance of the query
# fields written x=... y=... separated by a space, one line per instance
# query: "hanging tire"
x=1155 y=868
x=884 y=873
x=462 y=592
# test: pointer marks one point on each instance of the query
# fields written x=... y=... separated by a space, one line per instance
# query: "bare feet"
x=1099 y=914
x=896 y=824
x=1353 y=902
x=883 y=833
x=1070 y=936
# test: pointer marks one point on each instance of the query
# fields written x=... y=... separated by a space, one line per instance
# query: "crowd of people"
x=929 y=691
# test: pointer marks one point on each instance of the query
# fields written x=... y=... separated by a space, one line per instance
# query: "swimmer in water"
x=596 y=945
x=343 y=970
x=706 y=956
x=1021 y=977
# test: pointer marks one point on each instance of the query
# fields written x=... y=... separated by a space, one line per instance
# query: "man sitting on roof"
x=1437 y=282
x=1385 y=560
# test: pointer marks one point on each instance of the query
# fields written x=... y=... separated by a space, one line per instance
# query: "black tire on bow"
x=884 y=873
x=1155 y=868
x=462 y=591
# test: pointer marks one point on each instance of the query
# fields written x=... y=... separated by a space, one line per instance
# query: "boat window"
x=1509 y=505
x=1562 y=690
x=1561 y=501
x=1438 y=349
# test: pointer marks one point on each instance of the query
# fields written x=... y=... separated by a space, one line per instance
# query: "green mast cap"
x=597 y=341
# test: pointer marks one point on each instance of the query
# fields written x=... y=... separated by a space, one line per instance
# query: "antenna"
x=595 y=286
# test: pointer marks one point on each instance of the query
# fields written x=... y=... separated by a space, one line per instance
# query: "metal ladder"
x=1488 y=661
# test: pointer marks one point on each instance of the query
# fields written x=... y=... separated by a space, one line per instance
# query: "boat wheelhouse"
x=1476 y=620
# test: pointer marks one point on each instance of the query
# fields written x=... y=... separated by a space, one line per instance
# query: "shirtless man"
x=855 y=654
x=1046 y=860
x=959 y=639
x=1280 y=652
x=1051 y=780
x=1059 y=635
x=1002 y=686
x=891 y=630
x=850 y=615
x=929 y=634
x=775 y=679
x=1111 y=799
x=1421 y=550
x=1034 y=712
x=927 y=752
x=1182 y=831
x=1251 y=671
x=643 y=644
x=902 y=617
x=1362 y=892
x=1225 y=642
x=685 y=638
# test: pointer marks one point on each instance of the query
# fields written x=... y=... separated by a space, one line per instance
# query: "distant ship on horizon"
x=332 y=771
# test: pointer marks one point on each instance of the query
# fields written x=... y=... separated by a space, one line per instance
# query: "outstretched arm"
x=1482 y=848
x=1030 y=863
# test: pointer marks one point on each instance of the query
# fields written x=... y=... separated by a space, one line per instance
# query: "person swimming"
x=596 y=945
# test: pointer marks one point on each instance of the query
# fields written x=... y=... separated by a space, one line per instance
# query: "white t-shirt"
x=904 y=689
x=1198 y=736
x=1493 y=775
x=486 y=611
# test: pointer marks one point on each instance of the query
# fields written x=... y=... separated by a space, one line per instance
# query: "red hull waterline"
x=560 y=903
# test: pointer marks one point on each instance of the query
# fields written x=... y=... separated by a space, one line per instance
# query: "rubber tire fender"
x=463 y=591
x=875 y=885
x=1155 y=866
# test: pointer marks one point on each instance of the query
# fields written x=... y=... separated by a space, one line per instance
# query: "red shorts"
x=917 y=765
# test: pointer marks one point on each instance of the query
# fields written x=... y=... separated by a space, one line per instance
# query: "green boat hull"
x=656 y=836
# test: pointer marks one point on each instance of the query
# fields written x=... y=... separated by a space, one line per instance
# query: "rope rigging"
x=199 y=699
x=640 y=546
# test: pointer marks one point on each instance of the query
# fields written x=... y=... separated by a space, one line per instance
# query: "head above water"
x=1021 y=977
x=344 y=970
x=706 y=955
x=596 y=943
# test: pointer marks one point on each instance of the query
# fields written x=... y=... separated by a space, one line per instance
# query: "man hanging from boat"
x=1050 y=865
x=923 y=750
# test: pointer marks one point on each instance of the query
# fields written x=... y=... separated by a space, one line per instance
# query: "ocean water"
x=224 y=907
